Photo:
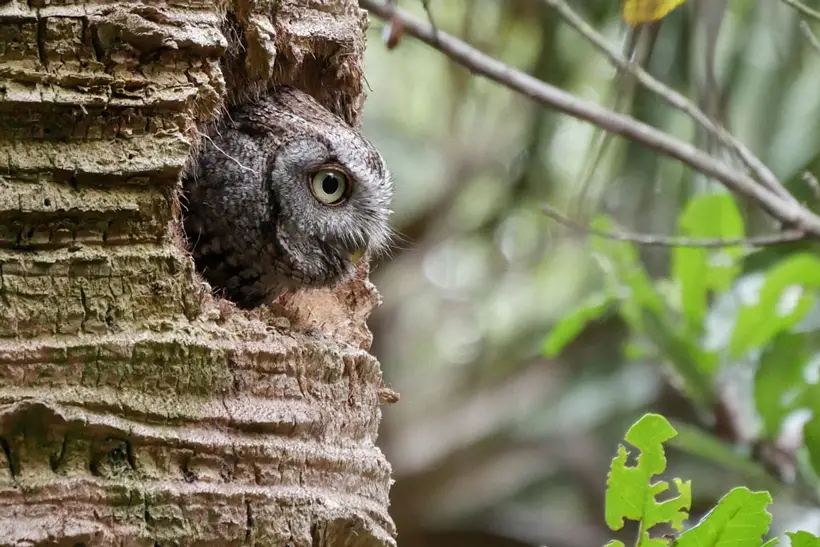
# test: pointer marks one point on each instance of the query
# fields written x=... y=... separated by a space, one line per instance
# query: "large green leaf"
x=777 y=310
x=740 y=519
x=803 y=539
x=700 y=270
x=630 y=493
x=811 y=437
x=779 y=383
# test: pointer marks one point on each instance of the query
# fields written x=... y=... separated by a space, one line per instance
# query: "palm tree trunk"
x=136 y=409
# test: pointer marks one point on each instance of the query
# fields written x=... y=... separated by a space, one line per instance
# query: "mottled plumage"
x=267 y=206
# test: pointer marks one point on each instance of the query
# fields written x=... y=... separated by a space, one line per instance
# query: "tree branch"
x=787 y=211
x=803 y=9
x=670 y=241
x=672 y=97
x=810 y=36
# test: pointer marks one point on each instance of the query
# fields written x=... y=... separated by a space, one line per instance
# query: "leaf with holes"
x=631 y=494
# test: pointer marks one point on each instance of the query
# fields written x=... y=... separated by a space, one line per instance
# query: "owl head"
x=284 y=195
x=329 y=193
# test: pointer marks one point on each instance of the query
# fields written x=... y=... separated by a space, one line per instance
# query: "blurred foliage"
x=763 y=331
x=522 y=351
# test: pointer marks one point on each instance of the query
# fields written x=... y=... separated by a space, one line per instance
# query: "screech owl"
x=284 y=195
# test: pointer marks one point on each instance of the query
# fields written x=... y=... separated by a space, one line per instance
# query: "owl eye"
x=329 y=187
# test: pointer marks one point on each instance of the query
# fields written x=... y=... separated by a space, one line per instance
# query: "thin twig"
x=671 y=96
x=811 y=181
x=788 y=211
x=429 y=12
x=670 y=241
x=803 y=9
x=810 y=36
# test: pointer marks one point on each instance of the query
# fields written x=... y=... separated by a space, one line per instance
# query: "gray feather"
x=254 y=226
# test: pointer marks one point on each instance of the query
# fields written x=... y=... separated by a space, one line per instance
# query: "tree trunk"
x=135 y=408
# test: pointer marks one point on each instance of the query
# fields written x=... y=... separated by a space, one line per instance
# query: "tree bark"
x=135 y=408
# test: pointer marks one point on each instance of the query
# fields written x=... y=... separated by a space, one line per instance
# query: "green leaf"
x=806 y=472
x=643 y=308
x=700 y=270
x=740 y=519
x=773 y=313
x=811 y=439
x=630 y=495
x=623 y=269
x=632 y=350
x=779 y=383
x=698 y=442
x=767 y=257
x=803 y=539
x=571 y=325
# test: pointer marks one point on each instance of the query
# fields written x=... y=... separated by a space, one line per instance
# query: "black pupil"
x=330 y=184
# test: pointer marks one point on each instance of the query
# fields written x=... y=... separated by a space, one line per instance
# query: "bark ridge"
x=135 y=409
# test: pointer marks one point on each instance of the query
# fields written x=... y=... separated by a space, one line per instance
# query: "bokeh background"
x=492 y=444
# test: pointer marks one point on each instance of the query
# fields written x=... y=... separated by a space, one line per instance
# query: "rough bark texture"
x=135 y=409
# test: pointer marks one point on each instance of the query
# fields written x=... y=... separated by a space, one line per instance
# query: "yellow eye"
x=329 y=187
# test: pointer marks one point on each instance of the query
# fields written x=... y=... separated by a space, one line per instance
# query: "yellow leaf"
x=636 y=12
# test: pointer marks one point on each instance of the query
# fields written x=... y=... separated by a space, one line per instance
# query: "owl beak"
x=356 y=255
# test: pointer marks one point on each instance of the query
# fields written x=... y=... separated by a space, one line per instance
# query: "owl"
x=283 y=195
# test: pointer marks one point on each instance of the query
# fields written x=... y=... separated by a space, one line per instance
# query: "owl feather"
x=283 y=194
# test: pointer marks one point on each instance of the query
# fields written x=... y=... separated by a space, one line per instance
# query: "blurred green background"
x=493 y=444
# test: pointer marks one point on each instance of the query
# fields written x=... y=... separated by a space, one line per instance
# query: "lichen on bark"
x=135 y=408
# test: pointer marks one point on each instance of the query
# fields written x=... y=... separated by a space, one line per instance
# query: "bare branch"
x=788 y=211
x=670 y=241
x=810 y=36
x=811 y=181
x=803 y=9
x=806 y=11
x=672 y=97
